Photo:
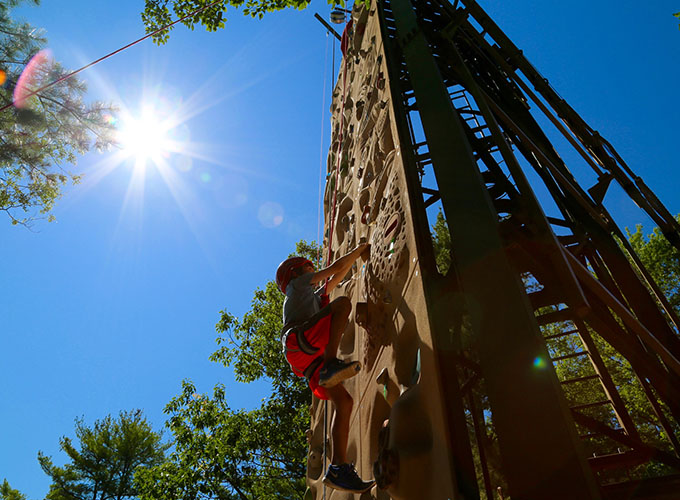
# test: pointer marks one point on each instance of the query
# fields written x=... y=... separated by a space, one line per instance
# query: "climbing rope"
x=321 y=176
x=338 y=161
x=333 y=64
x=73 y=73
x=332 y=221
x=325 y=439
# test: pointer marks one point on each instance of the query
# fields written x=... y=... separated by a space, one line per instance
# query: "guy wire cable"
x=73 y=73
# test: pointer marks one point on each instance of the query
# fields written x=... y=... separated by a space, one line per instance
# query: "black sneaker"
x=335 y=371
x=344 y=477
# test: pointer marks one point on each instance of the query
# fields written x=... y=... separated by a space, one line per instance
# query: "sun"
x=145 y=137
x=152 y=144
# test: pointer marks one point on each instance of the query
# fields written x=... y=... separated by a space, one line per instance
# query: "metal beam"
x=540 y=449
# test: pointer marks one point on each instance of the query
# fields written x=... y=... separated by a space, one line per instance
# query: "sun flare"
x=145 y=137
x=153 y=144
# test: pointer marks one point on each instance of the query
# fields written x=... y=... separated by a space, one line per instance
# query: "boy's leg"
x=340 y=310
x=340 y=426
x=342 y=475
x=335 y=371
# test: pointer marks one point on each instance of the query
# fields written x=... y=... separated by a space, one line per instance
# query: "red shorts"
x=314 y=334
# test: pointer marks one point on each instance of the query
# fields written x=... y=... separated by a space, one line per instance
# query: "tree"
x=441 y=241
x=228 y=455
x=9 y=493
x=48 y=130
x=110 y=453
x=246 y=455
x=157 y=13
x=661 y=259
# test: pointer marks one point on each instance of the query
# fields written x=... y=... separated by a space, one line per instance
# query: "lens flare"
x=184 y=163
x=270 y=214
x=30 y=77
x=110 y=119
x=539 y=362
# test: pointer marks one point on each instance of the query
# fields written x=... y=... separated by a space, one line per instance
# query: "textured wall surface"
x=525 y=292
x=397 y=418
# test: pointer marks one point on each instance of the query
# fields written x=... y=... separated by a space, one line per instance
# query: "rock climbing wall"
x=397 y=424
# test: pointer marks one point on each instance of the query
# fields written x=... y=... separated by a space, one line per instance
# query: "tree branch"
x=71 y=111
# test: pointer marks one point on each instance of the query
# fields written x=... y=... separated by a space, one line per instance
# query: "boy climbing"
x=313 y=328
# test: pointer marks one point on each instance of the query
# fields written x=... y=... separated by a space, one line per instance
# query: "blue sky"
x=113 y=305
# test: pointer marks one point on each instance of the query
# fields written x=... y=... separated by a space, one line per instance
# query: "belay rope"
x=338 y=159
x=323 y=111
x=332 y=211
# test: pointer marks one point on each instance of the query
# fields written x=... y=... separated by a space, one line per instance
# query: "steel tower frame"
x=467 y=139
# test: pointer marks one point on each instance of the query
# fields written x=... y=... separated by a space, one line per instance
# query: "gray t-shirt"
x=301 y=301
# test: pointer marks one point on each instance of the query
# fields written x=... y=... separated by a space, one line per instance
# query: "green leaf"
x=157 y=14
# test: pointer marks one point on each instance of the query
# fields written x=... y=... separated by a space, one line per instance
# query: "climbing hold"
x=391 y=229
x=380 y=83
x=361 y=314
x=345 y=223
x=366 y=215
x=390 y=249
x=386 y=467
x=314 y=458
x=382 y=379
x=359 y=110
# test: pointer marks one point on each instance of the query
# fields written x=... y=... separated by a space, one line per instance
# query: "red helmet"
x=286 y=268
